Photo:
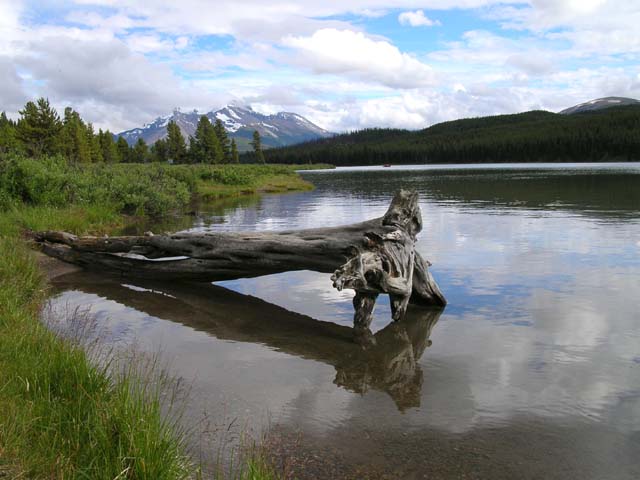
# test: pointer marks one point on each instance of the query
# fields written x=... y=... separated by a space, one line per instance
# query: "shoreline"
x=49 y=433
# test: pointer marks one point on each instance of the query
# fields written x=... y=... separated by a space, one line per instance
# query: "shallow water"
x=532 y=370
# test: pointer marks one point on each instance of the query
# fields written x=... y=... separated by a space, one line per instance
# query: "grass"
x=135 y=189
x=63 y=415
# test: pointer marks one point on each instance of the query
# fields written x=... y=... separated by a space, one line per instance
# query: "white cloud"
x=353 y=53
x=125 y=62
x=231 y=16
x=12 y=94
x=416 y=19
x=104 y=80
x=143 y=43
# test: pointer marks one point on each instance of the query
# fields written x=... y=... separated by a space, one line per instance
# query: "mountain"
x=283 y=128
x=606 y=134
x=600 y=104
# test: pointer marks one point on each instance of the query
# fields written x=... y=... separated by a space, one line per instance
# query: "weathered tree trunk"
x=372 y=257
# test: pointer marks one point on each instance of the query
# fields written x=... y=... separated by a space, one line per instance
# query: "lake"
x=531 y=371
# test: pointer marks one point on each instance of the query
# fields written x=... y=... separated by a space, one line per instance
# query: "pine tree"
x=257 y=147
x=235 y=157
x=39 y=128
x=176 y=146
x=81 y=143
x=108 y=147
x=95 y=152
x=124 y=152
x=140 y=152
x=209 y=149
x=8 y=141
x=160 y=151
x=75 y=143
x=223 y=138
x=193 y=155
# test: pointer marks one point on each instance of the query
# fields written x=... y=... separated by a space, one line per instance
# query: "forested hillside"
x=537 y=136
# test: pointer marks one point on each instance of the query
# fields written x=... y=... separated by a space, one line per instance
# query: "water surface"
x=531 y=371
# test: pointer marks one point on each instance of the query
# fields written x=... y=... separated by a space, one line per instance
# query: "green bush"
x=142 y=189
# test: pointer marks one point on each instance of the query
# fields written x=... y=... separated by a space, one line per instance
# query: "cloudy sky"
x=343 y=64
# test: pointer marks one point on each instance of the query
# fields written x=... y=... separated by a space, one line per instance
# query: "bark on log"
x=372 y=257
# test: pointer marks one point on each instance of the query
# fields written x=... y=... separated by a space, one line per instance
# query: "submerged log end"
x=425 y=289
x=388 y=263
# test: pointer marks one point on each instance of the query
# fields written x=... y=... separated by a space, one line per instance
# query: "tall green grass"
x=141 y=189
x=63 y=414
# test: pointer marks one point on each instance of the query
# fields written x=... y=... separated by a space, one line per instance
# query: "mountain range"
x=286 y=128
x=280 y=129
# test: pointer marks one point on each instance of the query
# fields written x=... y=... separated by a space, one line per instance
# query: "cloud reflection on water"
x=542 y=317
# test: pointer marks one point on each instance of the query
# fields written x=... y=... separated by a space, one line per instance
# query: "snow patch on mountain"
x=599 y=104
x=282 y=128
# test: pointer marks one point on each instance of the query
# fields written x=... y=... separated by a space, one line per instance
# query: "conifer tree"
x=123 y=150
x=235 y=157
x=81 y=143
x=95 y=152
x=8 y=141
x=140 y=152
x=75 y=143
x=160 y=151
x=176 y=146
x=194 y=156
x=223 y=138
x=39 y=127
x=257 y=147
x=108 y=147
x=209 y=149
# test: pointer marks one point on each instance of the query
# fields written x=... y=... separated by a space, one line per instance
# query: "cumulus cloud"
x=145 y=43
x=12 y=94
x=104 y=80
x=228 y=16
x=416 y=19
x=122 y=62
x=348 y=52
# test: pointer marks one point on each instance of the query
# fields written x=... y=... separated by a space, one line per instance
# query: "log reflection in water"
x=390 y=364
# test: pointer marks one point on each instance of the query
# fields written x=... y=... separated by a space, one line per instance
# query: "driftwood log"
x=373 y=257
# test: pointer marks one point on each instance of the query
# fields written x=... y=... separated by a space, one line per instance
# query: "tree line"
x=41 y=132
x=611 y=134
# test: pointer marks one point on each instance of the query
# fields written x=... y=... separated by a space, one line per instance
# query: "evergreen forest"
x=612 y=134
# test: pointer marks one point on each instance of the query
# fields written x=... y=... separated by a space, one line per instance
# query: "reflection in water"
x=535 y=362
x=610 y=191
x=199 y=215
x=390 y=365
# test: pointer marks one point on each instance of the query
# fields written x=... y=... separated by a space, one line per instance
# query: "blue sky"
x=343 y=64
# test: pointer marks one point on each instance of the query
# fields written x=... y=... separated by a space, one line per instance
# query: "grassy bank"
x=61 y=415
x=134 y=189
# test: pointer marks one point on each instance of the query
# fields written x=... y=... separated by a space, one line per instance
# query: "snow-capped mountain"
x=283 y=128
x=599 y=104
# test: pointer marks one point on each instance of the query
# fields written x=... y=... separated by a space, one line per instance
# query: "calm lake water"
x=531 y=371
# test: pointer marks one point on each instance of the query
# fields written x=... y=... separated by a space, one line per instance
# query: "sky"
x=344 y=65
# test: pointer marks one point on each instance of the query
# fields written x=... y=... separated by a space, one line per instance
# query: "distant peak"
x=240 y=121
x=600 y=104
